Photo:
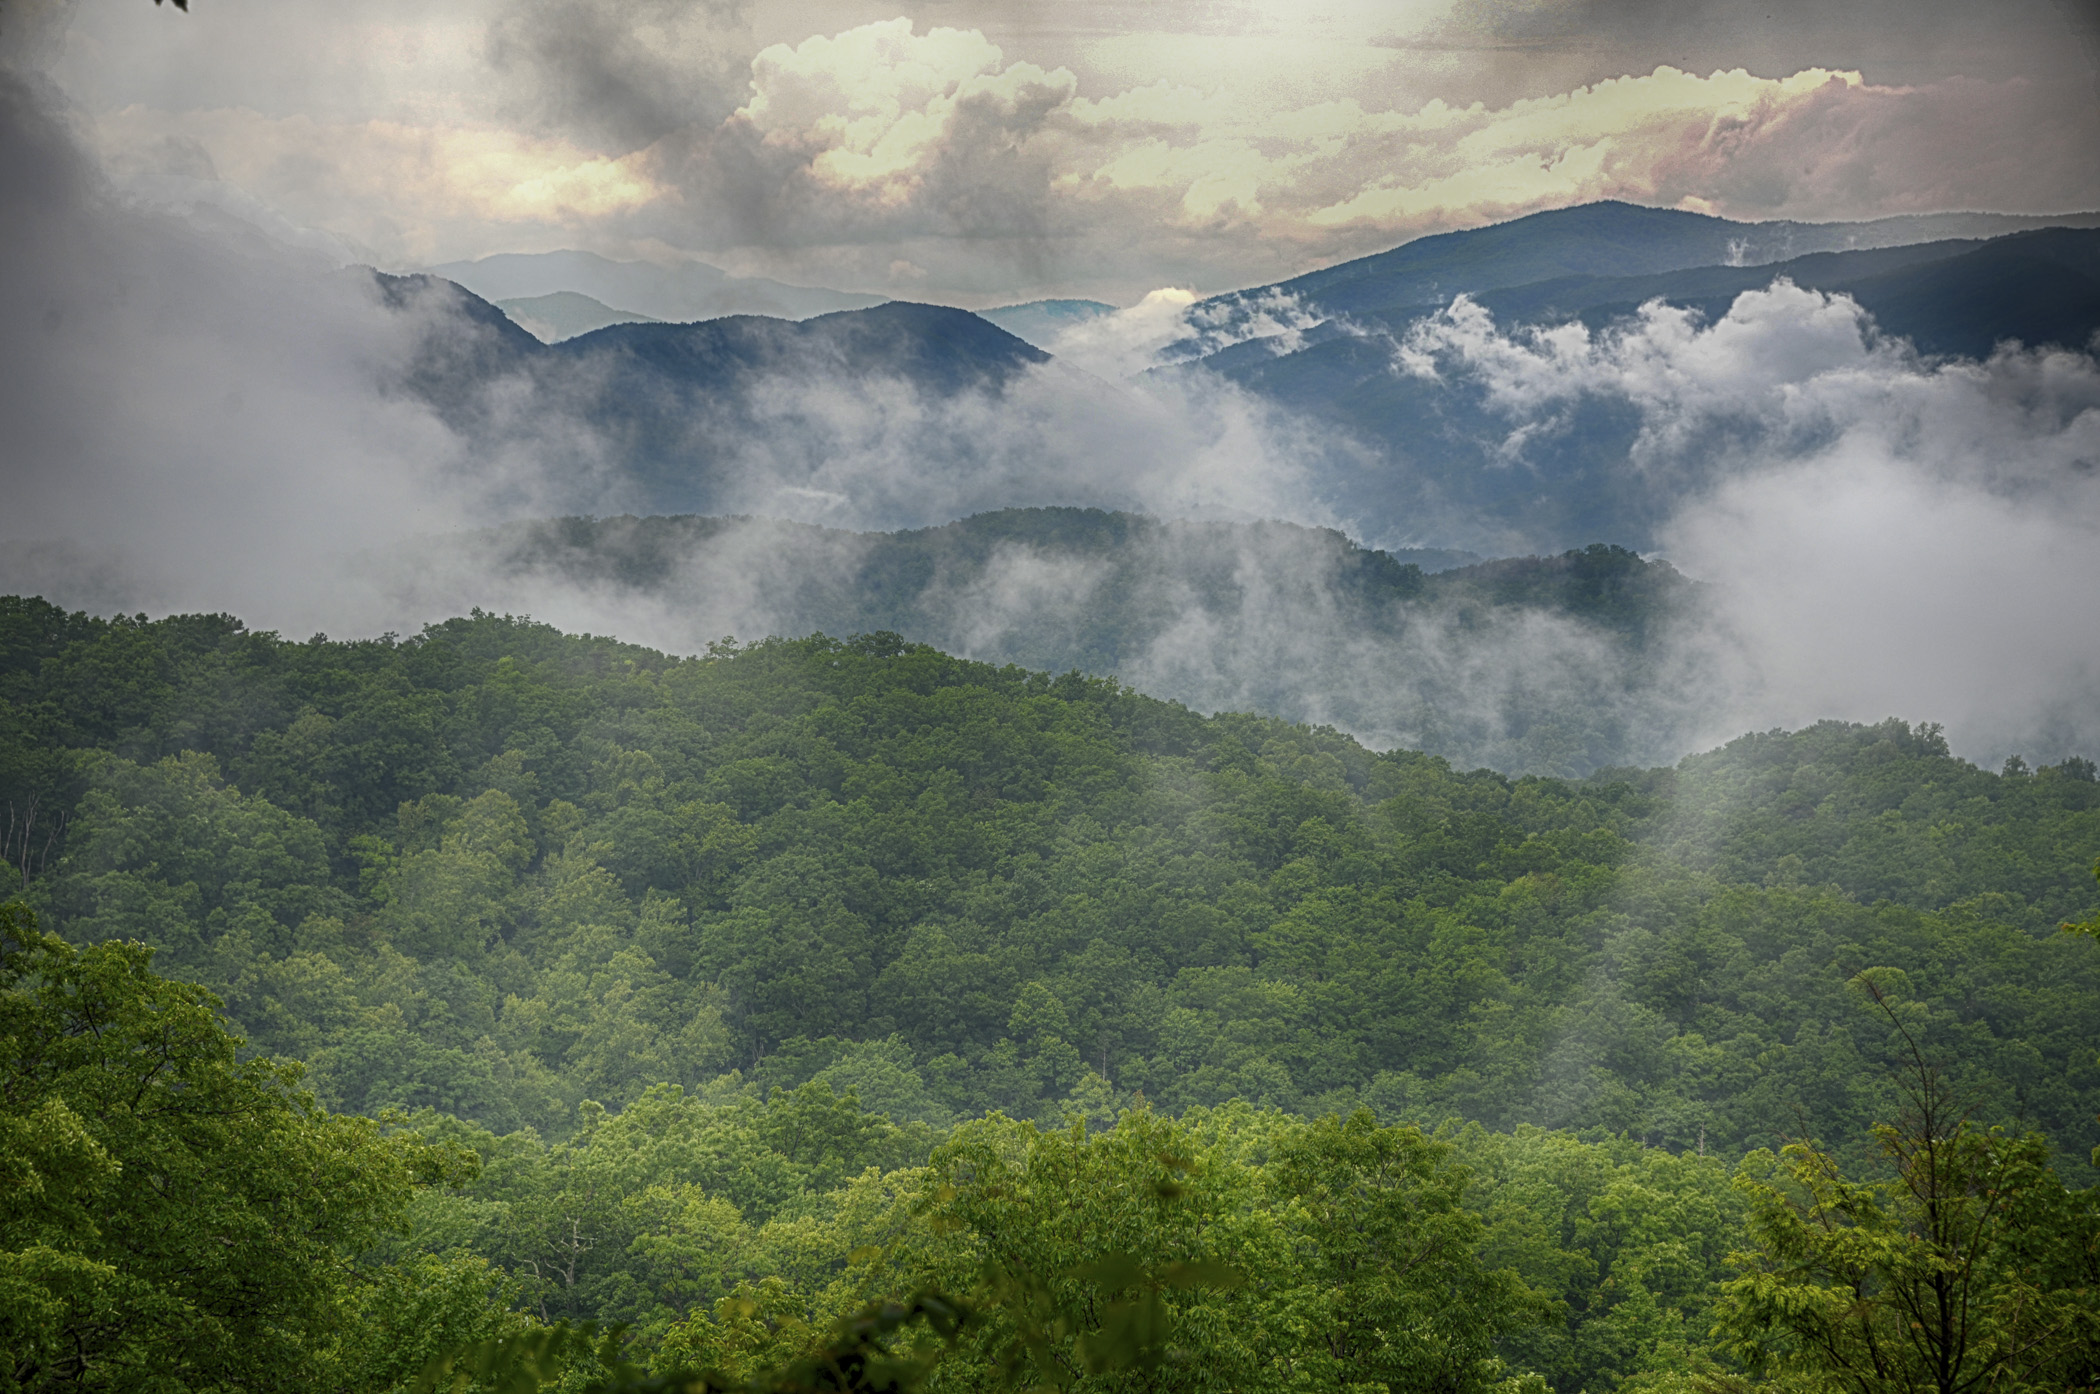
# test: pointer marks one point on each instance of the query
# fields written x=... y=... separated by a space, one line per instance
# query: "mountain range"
x=564 y=314
x=853 y=414
x=678 y=291
x=1606 y=239
x=1436 y=445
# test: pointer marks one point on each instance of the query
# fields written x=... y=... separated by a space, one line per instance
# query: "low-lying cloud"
x=876 y=454
x=1266 y=617
x=200 y=418
x=167 y=400
x=1884 y=534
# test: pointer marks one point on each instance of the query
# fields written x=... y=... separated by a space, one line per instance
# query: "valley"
x=743 y=699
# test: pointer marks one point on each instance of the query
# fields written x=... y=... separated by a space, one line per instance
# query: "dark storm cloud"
x=981 y=180
x=622 y=74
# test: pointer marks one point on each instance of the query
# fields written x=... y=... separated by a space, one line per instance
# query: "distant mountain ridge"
x=1960 y=296
x=900 y=414
x=715 y=416
x=1041 y=322
x=564 y=315
x=1608 y=239
x=1435 y=447
x=677 y=293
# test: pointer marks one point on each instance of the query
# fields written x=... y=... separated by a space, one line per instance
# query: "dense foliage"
x=1271 y=1246
x=1954 y=1275
x=743 y=975
x=497 y=871
x=174 y=1219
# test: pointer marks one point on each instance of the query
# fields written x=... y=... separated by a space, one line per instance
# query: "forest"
x=840 y=1010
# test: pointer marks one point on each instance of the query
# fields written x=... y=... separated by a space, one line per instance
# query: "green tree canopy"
x=172 y=1217
x=1971 y=1268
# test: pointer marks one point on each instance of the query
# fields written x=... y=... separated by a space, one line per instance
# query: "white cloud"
x=202 y=423
x=1860 y=586
x=1128 y=341
x=1802 y=367
x=871 y=107
x=1886 y=535
x=846 y=151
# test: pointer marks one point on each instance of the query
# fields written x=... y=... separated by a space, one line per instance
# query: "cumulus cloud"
x=1814 y=144
x=895 y=123
x=1886 y=534
x=1160 y=167
x=871 y=110
x=877 y=149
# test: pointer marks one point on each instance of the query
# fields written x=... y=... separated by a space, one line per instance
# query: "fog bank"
x=1884 y=534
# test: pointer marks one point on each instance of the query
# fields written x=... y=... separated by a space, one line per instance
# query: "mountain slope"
x=1437 y=446
x=1599 y=239
x=719 y=415
x=502 y=870
x=2036 y=287
x=1957 y=297
x=564 y=315
x=1558 y=664
x=700 y=414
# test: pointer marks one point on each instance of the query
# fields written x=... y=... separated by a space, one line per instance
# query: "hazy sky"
x=973 y=150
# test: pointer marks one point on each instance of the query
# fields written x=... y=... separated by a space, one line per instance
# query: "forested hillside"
x=679 y=949
x=1119 y=698
x=498 y=870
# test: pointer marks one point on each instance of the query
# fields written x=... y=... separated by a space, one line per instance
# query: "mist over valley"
x=758 y=697
x=1557 y=665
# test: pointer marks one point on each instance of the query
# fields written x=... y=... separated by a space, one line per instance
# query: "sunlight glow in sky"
x=982 y=149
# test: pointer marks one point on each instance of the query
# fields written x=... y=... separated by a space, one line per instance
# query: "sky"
x=983 y=151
